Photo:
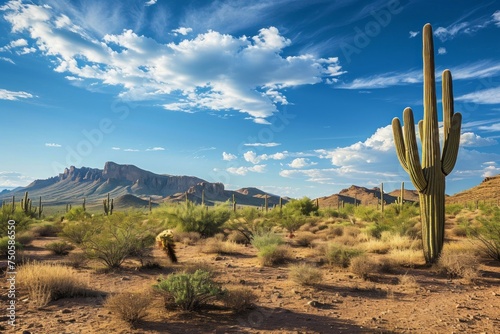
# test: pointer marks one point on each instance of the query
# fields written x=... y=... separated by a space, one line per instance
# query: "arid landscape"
x=377 y=283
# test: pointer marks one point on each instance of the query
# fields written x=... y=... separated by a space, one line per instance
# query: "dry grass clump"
x=217 y=246
x=237 y=237
x=304 y=239
x=59 y=247
x=335 y=230
x=25 y=238
x=76 y=260
x=400 y=242
x=406 y=257
x=49 y=281
x=129 y=306
x=340 y=255
x=458 y=263
x=305 y=274
x=363 y=266
x=408 y=281
x=192 y=267
x=375 y=246
x=187 y=238
x=239 y=299
x=273 y=254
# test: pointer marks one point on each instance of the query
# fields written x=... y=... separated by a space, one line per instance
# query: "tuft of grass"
x=237 y=237
x=60 y=247
x=363 y=266
x=458 y=264
x=46 y=229
x=408 y=281
x=304 y=239
x=129 y=306
x=25 y=238
x=46 y=282
x=217 y=246
x=239 y=299
x=406 y=257
x=340 y=255
x=273 y=254
x=305 y=274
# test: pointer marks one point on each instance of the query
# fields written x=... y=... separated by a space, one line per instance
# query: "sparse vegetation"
x=239 y=299
x=305 y=274
x=129 y=306
x=340 y=255
x=60 y=247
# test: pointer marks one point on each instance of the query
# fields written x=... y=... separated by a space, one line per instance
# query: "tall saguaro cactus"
x=428 y=176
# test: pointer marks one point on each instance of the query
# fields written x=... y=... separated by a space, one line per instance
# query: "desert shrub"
x=215 y=246
x=46 y=229
x=363 y=266
x=401 y=242
x=76 y=260
x=195 y=218
x=46 y=282
x=368 y=213
x=405 y=257
x=408 y=281
x=304 y=239
x=77 y=214
x=76 y=232
x=375 y=229
x=340 y=255
x=60 y=247
x=189 y=291
x=239 y=299
x=303 y=206
x=453 y=209
x=335 y=230
x=375 y=246
x=112 y=239
x=305 y=274
x=487 y=236
x=129 y=306
x=5 y=242
x=22 y=220
x=187 y=238
x=458 y=264
x=25 y=238
x=273 y=254
x=237 y=237
x=262 y=239
x=292 y=222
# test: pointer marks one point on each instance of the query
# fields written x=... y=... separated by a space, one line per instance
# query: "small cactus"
x=108 y=206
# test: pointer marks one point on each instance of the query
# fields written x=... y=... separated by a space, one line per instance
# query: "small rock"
x=65 y=311
x=125 y=278
x=218 y=258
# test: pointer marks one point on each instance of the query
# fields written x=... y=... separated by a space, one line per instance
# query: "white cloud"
x=52 y=145
x=158 y=148
x=228 y=156
x=414 y=34
x=116 y=148
x=450 y=31
x=301 y=163
x=442 y=51
x=485 y=96
x=470 y=139
x=150 y=2
x=496 y=18
x=491 y=128
x=14 y=179
x=130 y=150
x=182 y=31
x=7 y=60
x=13 y=96
x=262 y=144
x=244 y=170
x=212 y=71
x=252 y=157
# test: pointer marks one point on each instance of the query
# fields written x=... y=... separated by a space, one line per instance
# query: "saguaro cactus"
x=428 y=176
x=108 y=206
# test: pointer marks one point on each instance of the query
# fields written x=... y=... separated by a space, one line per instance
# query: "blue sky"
x=294 y=97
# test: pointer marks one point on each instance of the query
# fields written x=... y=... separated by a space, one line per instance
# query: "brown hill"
x=488 y=190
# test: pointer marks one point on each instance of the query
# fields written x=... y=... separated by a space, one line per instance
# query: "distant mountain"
x=94 y=184
x=364 y=196
x=488 y=190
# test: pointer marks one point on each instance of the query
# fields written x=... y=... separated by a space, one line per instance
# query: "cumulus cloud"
x=157 y=148
x=243 y=170
x=13 y=96
x=442 y=51
x=150 y=2
x=182 y=31
x=470 y=139
x=212 y=71
x=52 y=145
x=130 y=150
x=228 y=156
x=301 y=163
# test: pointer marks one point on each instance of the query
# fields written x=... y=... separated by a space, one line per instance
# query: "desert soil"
x=342 y=303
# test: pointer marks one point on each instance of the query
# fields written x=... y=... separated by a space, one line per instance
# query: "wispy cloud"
x=14 y=179
x=262 y=144
x=496 y=18
x=52 y=145
x=485 y=96
x=13 y=96
x=157 y=148
x=131 y=150
x=7 y=60
x=450 y=31
x=182 y=31
x=414 y=34
x=150 y=2
x=243 y=170
x=212 y=71
x=441 y=51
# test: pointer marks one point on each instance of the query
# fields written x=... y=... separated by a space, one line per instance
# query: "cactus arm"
x=451 y=145
x=399 y=143
x=448 y=108
x=421 y=130
x=412 y=158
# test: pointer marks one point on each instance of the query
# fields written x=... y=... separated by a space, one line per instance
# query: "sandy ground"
x=343 y=303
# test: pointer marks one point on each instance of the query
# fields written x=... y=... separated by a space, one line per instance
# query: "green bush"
x=196 y=218
x=46 y=229
x=340 y=255
x=60 y=247
x=263 y=239
x=303 y=206
x=189 y=291
x=76 y=232
x=292 y=222
x=22 y=220
x=487 y=236
x=4 y=245
x=77 y=214
x=273 y=254
x=305 y=274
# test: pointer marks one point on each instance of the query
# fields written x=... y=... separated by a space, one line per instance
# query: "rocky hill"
x=94 y=184
x=487 y=191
